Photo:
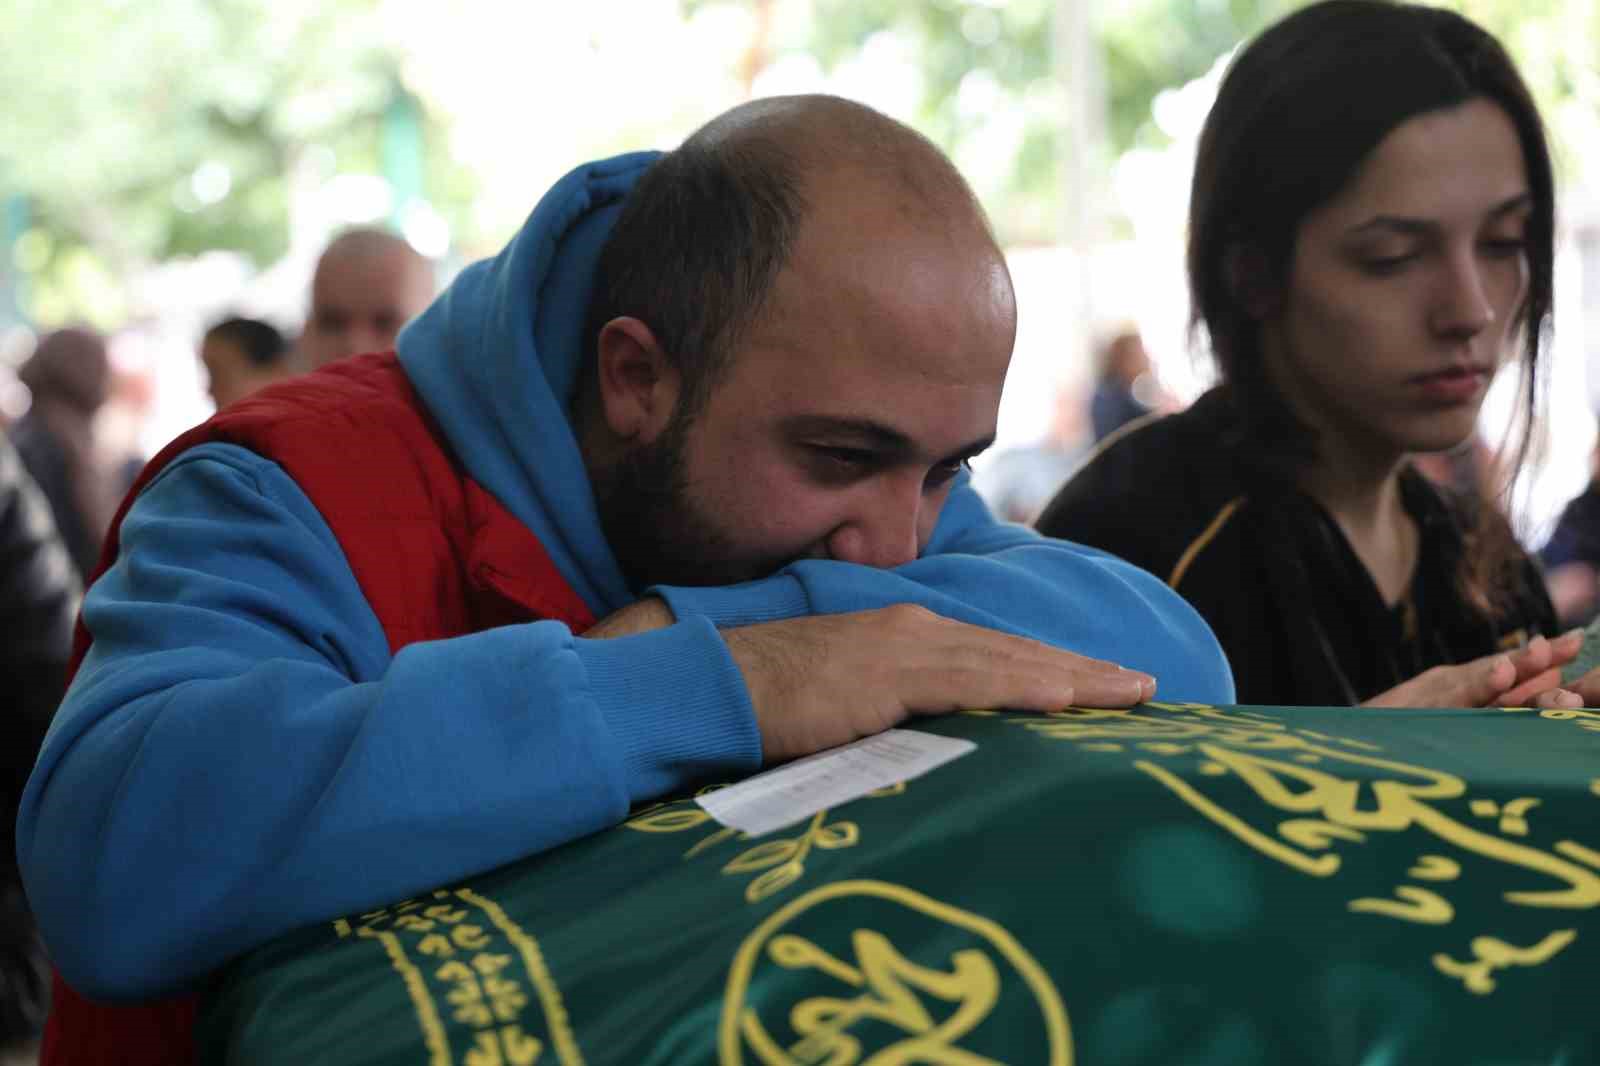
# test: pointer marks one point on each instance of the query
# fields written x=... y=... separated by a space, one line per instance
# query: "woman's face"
x=1404 y=289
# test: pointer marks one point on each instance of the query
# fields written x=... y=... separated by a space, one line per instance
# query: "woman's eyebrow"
x=1423 y=226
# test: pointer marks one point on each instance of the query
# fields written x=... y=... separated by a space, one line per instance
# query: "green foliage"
x=140 y=130
x=1153 y=45
x=1147 y=46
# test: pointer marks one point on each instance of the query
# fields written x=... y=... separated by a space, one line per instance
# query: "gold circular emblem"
x=875 y=973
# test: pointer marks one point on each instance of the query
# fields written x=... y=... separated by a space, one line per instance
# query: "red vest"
x=435 y=556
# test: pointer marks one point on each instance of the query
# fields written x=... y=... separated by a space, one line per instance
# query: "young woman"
x=1370 y=239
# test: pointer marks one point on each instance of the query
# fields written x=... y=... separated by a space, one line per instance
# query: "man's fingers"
x=1027 y=687
x=1027 y=674
x=974 y=667
x=1101 y=691
x=828 y=679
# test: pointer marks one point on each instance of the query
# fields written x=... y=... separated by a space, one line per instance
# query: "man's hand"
x=1530 y=677
x=826 y=680
x=641 y=617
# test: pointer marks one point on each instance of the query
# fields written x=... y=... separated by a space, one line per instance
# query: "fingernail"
x=1568 y=699
x=1575 y=633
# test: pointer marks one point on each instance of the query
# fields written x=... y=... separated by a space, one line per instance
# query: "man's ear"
x=1250 y=279
x=638 y=383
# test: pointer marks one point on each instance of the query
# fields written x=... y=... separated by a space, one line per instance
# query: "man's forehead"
x=925 y=306
x=395 y=286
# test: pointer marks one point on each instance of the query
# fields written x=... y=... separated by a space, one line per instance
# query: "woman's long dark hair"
x=1298 y=112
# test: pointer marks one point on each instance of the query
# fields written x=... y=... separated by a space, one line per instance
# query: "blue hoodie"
x=240 y=754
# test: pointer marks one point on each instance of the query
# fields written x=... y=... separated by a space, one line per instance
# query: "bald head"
x=708 y=228
x=817 y=136
x=368 y=283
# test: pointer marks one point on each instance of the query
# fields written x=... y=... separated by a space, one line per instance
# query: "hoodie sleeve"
x=1006 y=577
x=240 y=755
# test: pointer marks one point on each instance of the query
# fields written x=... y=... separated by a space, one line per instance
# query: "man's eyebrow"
x=1426 y=226
x=866 y=433
x=977 y=447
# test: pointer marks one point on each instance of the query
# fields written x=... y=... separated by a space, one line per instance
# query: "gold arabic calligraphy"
x=1293 y=771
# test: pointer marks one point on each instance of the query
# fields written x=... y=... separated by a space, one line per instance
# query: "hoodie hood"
x=495 y=359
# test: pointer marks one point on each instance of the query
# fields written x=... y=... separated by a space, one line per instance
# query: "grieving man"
x=672 y=488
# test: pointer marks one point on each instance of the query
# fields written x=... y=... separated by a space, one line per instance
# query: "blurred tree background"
x=139 y=131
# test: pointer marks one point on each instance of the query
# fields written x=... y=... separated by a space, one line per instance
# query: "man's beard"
x=656 y=532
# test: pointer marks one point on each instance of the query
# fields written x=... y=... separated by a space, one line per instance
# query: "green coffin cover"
x=1173 y=884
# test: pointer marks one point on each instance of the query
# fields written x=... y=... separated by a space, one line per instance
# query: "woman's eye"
x=1504 y=247
x=1384 y=265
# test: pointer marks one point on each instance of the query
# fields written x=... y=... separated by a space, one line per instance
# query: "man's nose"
x=883 y=531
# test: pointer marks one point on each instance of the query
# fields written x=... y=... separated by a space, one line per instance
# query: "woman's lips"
x=1454 y=385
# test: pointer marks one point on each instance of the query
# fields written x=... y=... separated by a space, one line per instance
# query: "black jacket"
x=1298 y=614
x=38 y=600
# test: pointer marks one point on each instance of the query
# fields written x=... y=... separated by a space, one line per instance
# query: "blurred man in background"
x=1571 y=556
x=242 y=355
x=1018 y=482
x=69 y=380
x=368 y=283
x=1127 y=387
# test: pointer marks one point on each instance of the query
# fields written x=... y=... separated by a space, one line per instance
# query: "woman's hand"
x=1528 y=677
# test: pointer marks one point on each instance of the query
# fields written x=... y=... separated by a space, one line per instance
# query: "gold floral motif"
x=784 y=860
x=455 y=932
x=779 y=863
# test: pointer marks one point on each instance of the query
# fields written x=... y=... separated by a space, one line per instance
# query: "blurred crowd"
x=65 y=465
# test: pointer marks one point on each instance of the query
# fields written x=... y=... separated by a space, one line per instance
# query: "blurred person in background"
x=1370 y=235
x=367 y=284
x=1018 y=482
x=242 y=355
x=1571 y=556
x=69 y=380
x=38 y=598
x=671 y=488
x=1126 y=386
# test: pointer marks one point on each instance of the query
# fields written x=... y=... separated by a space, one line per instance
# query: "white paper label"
x=794 y=792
